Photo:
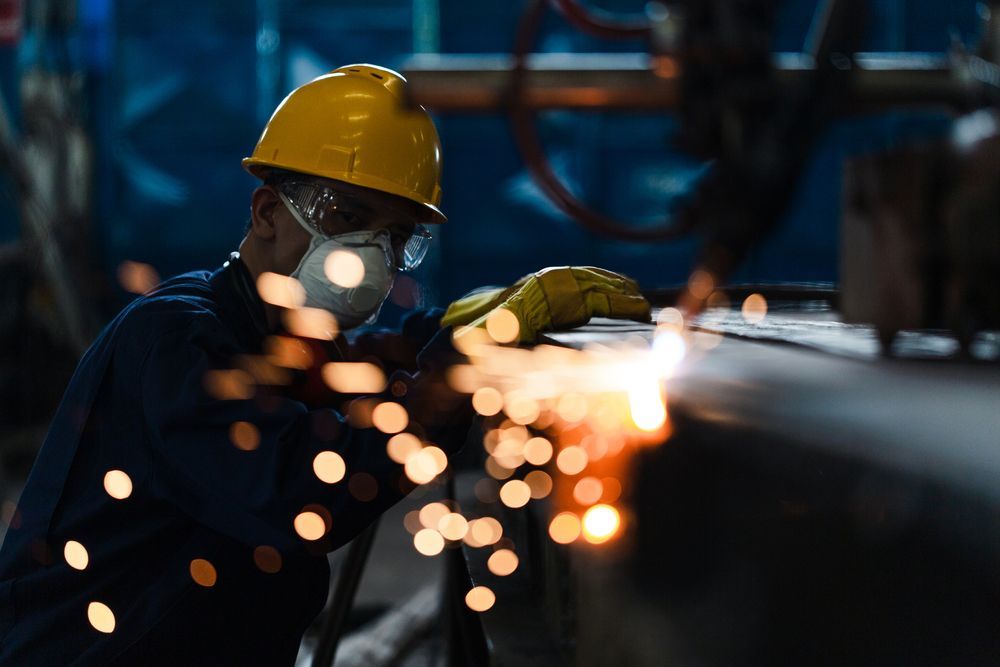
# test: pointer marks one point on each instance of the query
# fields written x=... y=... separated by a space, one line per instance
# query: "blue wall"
x=181 y=91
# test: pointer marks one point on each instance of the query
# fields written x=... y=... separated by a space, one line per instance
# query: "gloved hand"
x=554 y=298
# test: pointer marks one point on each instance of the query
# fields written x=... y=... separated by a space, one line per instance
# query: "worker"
x=178 y=513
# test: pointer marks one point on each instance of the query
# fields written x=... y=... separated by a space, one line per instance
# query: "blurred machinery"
x=810 y=500
x=756 y=116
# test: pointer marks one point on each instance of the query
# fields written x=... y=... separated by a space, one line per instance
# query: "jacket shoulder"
x=186 y=302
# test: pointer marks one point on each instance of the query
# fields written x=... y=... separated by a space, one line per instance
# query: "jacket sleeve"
x=253 y=493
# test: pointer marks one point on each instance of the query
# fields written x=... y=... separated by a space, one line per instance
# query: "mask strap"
x=298 y=216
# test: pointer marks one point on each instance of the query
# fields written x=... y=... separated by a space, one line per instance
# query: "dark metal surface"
x=348 y=579
x=816 y=504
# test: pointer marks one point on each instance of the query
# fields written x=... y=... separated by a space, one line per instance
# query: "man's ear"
x=263 y=205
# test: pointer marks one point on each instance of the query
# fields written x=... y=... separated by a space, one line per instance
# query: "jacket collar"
x=241 y=304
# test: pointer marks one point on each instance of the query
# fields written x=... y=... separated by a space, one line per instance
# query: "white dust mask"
x=335 y=280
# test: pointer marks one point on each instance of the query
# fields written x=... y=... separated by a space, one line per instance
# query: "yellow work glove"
x=554 y=298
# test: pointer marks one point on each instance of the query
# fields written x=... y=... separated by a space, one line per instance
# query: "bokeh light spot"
x=428 y=542
x=515 y=493
x=267 y=559
x=329 y=467
x=76 y=555
x=564 y=528
x=344 y=268
x=600 y=523
x=353 y=377
x=480 y=599
x=588 y=491
x=278 y=290
x=101 y=617
x=487 y=401
x=390 y=417
x=118 y=484
x=137 y=277
x=453 y=526
x=754 y=308
x=537 y=451
x=502 y=562
x=311 y=323
x=502 y=325
x=402 y=446
x=203 y=572
x=244 y=435
x=572 y=460
x=310 y=526
x=363 y=487
x=539 y=482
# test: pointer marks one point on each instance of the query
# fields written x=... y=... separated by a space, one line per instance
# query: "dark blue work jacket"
x=138 y=403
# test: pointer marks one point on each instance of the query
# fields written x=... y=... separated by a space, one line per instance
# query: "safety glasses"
x=330 y=212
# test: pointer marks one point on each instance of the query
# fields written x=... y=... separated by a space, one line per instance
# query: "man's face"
x=344 y=208
x=332 y=208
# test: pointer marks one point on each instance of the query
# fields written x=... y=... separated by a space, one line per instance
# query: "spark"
x=344 y=268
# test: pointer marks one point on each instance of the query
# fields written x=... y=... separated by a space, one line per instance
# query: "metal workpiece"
x=623 y=81
x=815 y=500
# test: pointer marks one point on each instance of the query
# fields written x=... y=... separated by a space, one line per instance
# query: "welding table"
x=817 y=502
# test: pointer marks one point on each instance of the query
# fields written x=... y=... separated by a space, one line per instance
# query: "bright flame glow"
x=521 y=408
x=572 y=407
x=669 y=349
x=503 y=562
x=118 y=484
x=344 y=268
x=76 y=555
x=310 y=526
x=428 y=542
x=502 y=325
x=646 y=406
x=101 y=617
x=600 y=523
x=390 y=417
x=329 y=467
x=353 y=378
x=281 y=290
x=480 y=599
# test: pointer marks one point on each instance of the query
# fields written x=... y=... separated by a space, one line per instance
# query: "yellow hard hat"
x=351 y=125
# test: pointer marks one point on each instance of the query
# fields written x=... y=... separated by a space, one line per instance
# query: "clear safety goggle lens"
x=325 y=209
x=415 y=248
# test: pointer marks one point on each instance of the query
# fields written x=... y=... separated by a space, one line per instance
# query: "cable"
x=592 y=24
x=525 y=133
